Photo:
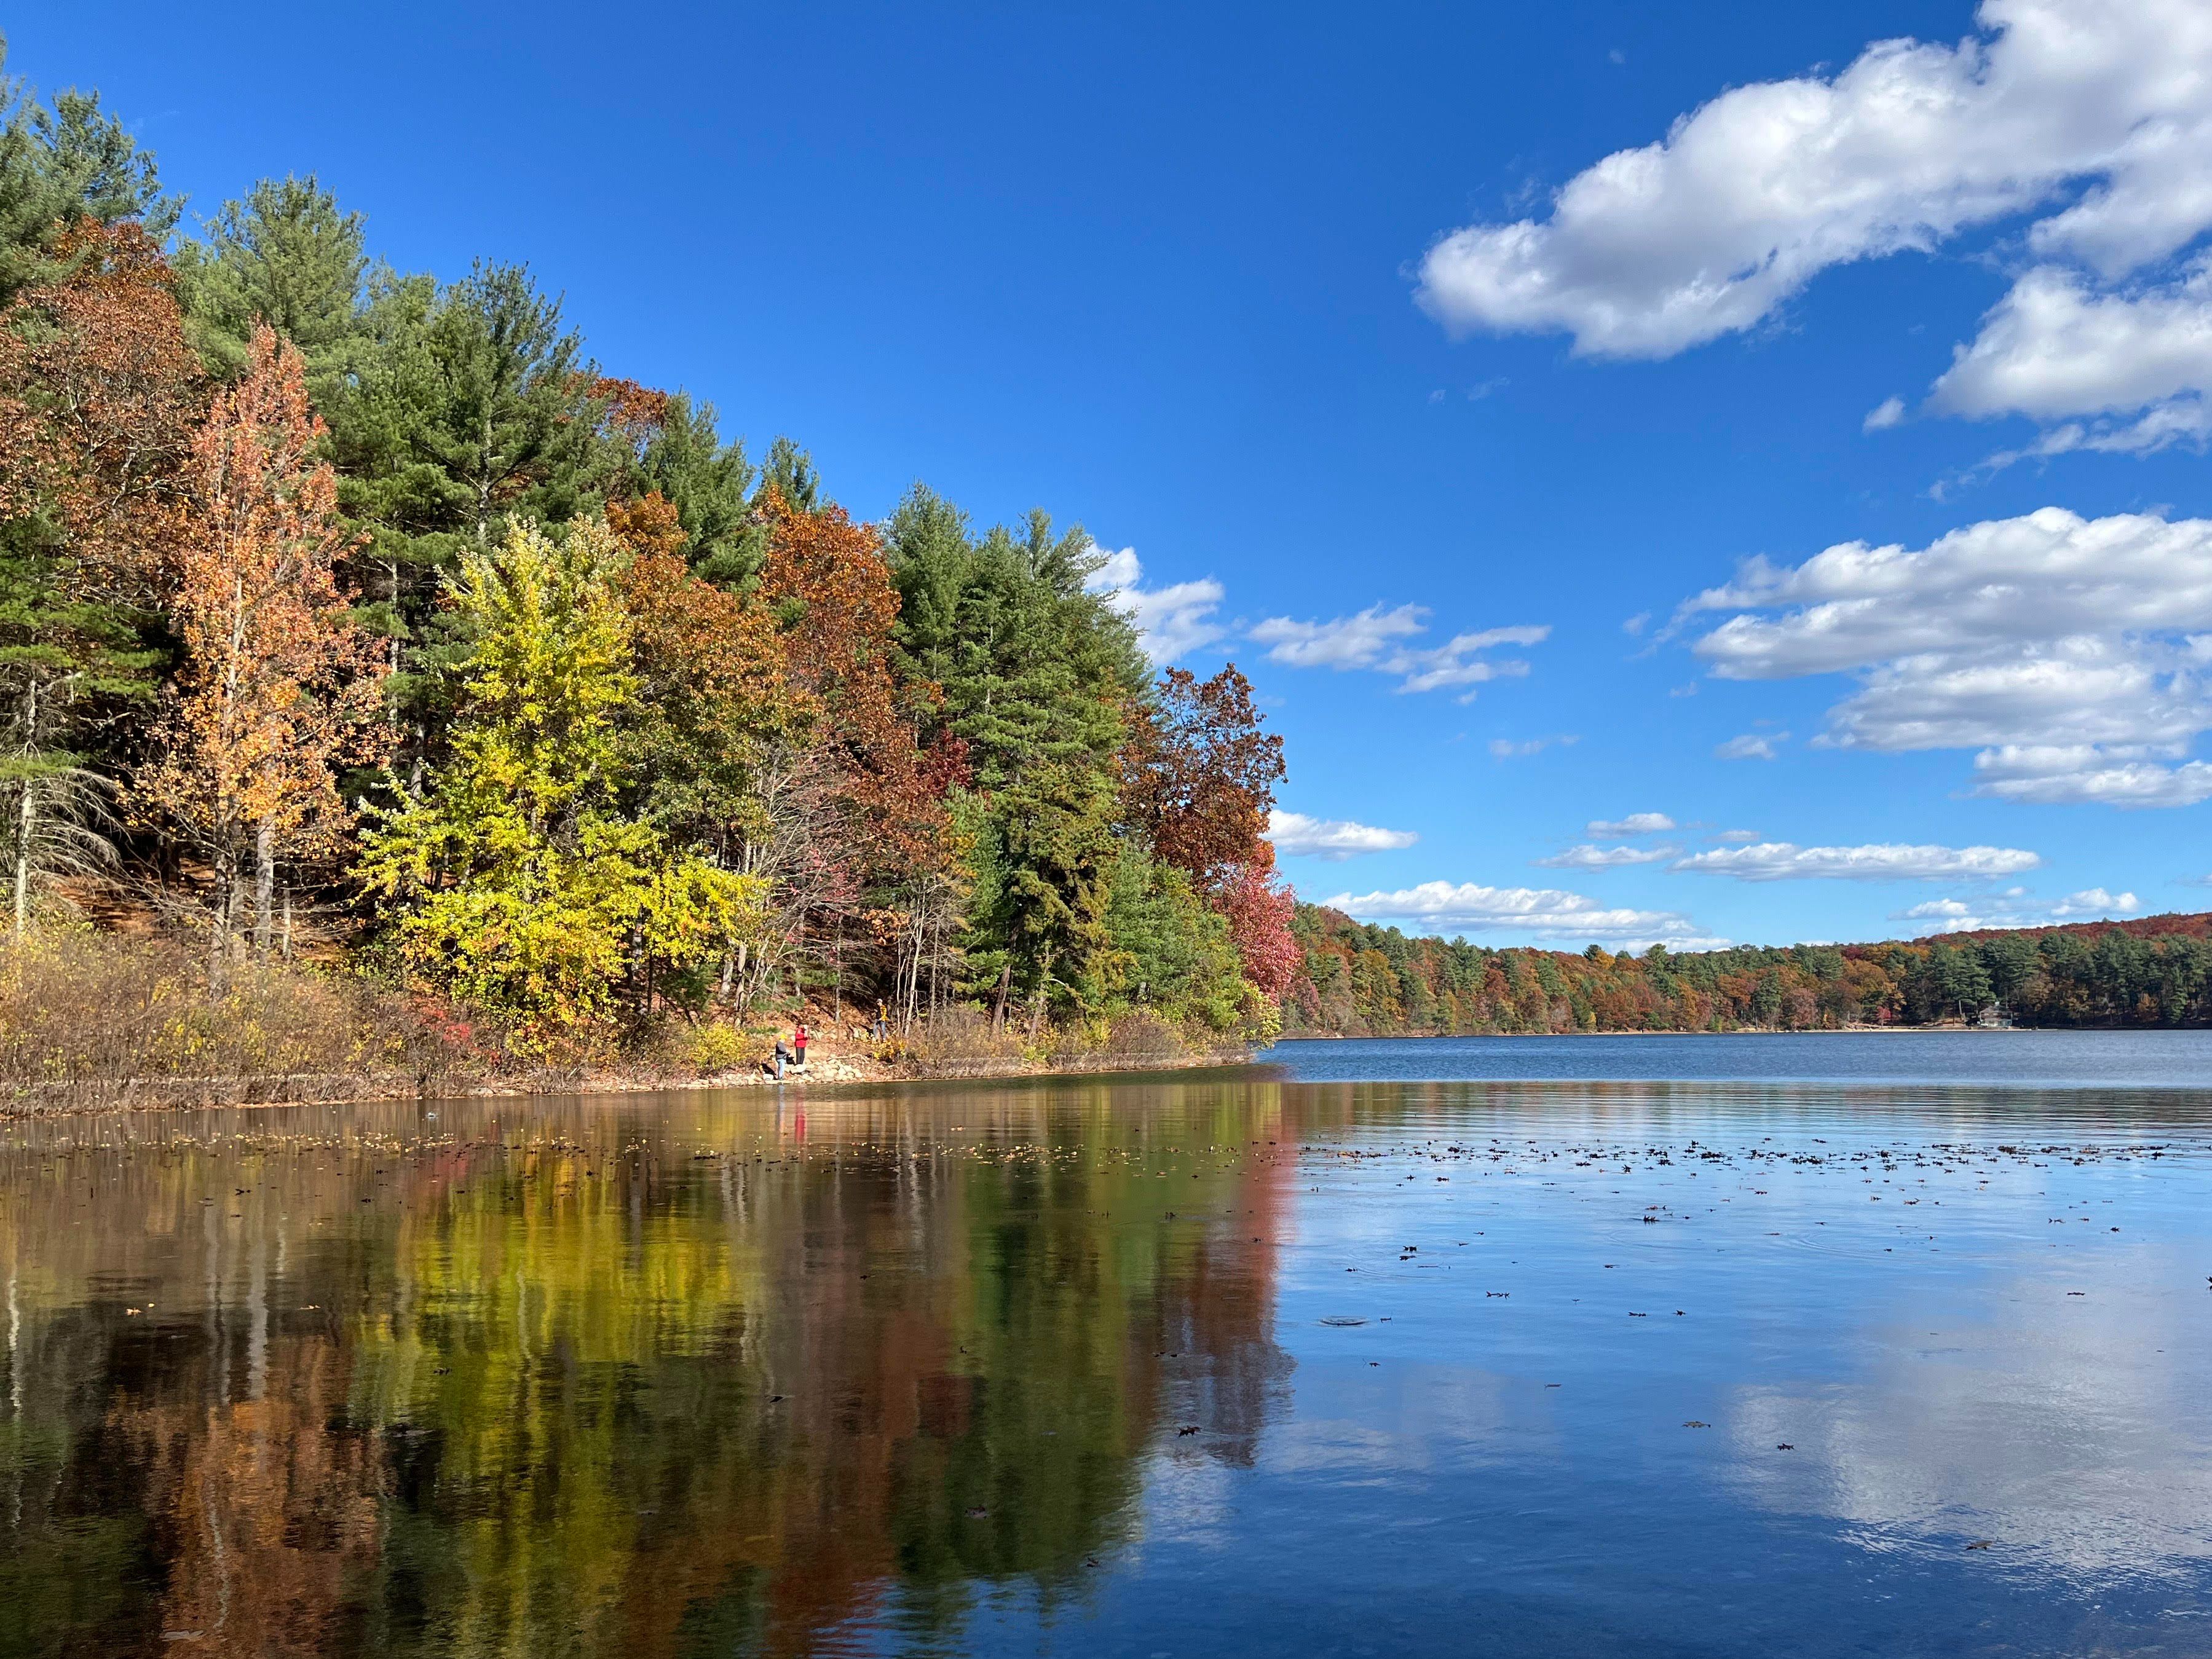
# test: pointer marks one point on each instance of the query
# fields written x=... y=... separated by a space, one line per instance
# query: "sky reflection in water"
x=1212 y=1364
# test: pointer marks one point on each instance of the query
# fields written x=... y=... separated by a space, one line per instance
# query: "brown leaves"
x=826 y=579
x=100 y=395
x=1199 y=776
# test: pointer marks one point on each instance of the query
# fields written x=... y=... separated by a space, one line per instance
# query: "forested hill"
x=1360 y=979
x=365 y=612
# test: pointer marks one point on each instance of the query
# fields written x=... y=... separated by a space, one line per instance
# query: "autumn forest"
x=367 y=647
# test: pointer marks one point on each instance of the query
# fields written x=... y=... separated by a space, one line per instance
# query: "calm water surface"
x=1882 y=1345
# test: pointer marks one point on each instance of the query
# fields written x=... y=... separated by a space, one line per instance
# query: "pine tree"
x=285 y=256
x=462 y=407
x=59 y=163
x=707 y=481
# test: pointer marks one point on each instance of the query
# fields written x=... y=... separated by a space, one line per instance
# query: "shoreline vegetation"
x=389 y=689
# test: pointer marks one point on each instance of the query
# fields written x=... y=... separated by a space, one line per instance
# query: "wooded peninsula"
x=388 y=688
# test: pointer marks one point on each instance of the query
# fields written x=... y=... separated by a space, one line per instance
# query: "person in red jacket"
x=798 y=1043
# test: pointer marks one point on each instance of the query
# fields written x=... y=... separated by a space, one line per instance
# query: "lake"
x=1882 y=1345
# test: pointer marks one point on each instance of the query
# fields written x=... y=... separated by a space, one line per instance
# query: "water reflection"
x=1224 y=1365
x=652 y=1378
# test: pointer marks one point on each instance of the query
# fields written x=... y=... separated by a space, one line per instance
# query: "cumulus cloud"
x=1546 y=913
x=1295 y=835
x=1590 y=857
x=2092 y=117
x=1752 y=746
x=2016 y=908
x=1781 y=860
x=1636 y=823
x=2100 y=109
x=2136 y=361
x=2070 y=652
x=1171 y=621
x=1381 y=640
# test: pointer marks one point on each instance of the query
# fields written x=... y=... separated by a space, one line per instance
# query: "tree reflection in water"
x=651 y=1375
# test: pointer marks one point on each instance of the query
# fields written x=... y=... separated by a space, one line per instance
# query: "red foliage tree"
x=1258 y=911
x=1200 y=775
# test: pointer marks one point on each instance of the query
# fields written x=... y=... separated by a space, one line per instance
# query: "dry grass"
x=960 y=1042
x=90 y=1020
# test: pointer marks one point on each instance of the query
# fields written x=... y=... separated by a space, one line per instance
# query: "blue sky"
x=1542 y=321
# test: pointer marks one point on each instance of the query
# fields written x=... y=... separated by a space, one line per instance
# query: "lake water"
x=1847 y=1345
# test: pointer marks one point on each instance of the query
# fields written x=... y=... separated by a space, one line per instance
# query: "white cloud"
x=1736 y=838
x=1636 y=823
x=1344 y=642
x=2117 y=776
x=1753 y=746
x=1889 y=412
x=1379 y=639
x=1294 y=834
x=2100 y=108
x=2016 y=908
x=1781 y=860
x=2137 y=360
x=1510 y=749
x=1546 y=913
x=2054 y=347
x=2095 y=900
x=1171 y=621
x=1589 y=857
x=1933 y=910
x=2070 y=651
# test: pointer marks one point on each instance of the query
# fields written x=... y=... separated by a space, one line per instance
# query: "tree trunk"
x=264 y=888
x=26 y=826
x=1036 y=1007
x=219 y=922
x=27 y=821
x=998 y=1008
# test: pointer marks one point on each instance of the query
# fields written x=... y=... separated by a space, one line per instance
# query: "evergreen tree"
x=790 y=473
x=285 y=256
x=709 y=483
x=461 y=407
x=62 y=162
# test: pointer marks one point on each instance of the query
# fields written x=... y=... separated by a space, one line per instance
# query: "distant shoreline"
x=1758 y=1030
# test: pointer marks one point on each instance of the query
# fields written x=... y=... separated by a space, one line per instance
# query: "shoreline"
x=210 y=1094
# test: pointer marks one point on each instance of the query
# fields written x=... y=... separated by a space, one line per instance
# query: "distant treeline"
x=1360 y=979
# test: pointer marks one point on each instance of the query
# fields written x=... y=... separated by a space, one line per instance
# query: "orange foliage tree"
x=100 y=395
x=878 y=853
x=280 y=686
